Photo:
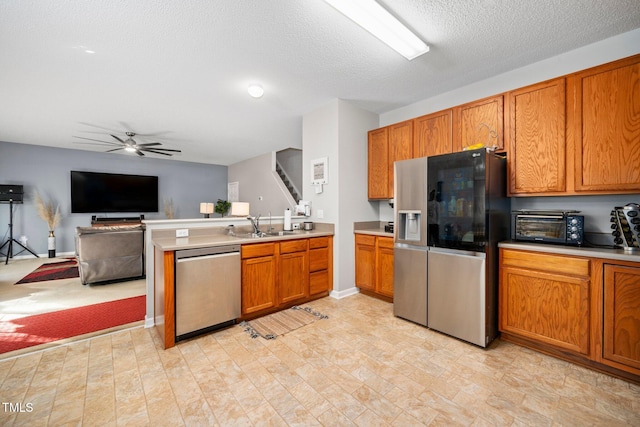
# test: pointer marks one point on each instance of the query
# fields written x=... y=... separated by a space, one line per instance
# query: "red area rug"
x=67 y=269
x=43 y=328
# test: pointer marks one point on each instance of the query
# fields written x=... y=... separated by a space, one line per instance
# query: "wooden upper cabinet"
x=536 y=138
x=378 y=164
x=607 y=127
x=433 y=134
x=400 y=147
x=479 y=122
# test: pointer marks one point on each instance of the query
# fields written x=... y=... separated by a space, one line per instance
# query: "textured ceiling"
x=179 y=69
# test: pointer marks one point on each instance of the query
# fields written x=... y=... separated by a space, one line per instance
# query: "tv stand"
x=114 y=221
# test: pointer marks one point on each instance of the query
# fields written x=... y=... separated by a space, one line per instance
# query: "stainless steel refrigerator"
x=469 y=218
x=410 y=240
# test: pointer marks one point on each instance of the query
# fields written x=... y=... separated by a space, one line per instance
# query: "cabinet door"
x=479 y=122
x=550 y=308
x=293 y=277
x=258 y=283
x=433 y=134
x=378 y=164
x=385 y=266
x=622 y=315
x=537 y=146
x=365 y=262
x=608 y=127
x=400 y=147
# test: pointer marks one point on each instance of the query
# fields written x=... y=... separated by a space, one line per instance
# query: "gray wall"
x=47 y=170
x=258 y=185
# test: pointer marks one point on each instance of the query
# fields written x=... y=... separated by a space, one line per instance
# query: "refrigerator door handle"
x=459 y=252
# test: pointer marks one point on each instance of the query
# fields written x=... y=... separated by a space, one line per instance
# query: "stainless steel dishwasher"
x=207 y=289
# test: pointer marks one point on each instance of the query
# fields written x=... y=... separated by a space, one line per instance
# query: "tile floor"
x=362 y=366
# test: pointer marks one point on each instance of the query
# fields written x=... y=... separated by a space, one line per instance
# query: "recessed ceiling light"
x=255 y=90
x=379 y=22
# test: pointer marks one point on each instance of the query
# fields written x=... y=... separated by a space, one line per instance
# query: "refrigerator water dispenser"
x=409 y=225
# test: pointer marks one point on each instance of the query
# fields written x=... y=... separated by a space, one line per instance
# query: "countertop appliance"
x=207 y=289
x=468 y=215
x=548 y=226
x=625 y=223
x=410 y=240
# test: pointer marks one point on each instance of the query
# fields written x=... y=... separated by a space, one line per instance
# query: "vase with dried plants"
x=169 y=210
x=51 y=215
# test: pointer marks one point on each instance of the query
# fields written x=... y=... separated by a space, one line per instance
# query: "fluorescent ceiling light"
x=375 y=19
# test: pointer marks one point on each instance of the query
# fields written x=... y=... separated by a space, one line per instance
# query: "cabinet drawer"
x=365 y=239
x=293 y=246
x=385 y=242
x=318 y=242
x=546 y=262
x=257 y=250
x=318 y=282
x=318 y=259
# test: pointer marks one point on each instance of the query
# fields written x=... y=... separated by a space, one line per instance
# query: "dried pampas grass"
x=46 y=211
x=169 y=210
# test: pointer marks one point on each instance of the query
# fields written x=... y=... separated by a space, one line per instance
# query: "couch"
x=110 y=254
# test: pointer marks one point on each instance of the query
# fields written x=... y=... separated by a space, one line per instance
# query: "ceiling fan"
x=131 y=145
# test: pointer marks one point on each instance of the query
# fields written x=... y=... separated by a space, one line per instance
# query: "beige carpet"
x=282 y=322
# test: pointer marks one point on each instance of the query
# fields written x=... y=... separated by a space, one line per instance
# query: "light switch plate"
x=184 y=232
x=320 y=213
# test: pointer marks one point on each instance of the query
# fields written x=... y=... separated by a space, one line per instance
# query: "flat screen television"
x=95 y=192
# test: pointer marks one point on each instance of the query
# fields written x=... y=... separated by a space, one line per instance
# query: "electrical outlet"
x=296 y=226
x=184 y=232
x=320 y=213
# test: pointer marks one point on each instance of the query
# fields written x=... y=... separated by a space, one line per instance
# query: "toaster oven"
x=548 y=226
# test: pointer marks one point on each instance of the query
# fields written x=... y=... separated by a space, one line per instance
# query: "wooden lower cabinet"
x=278 y=275
x=385 y=266
x=320 y=265
x=582 y=309
x=293 y=271
x=258 y=277
x=546 y=298
x=374 y=265
x=621 y=338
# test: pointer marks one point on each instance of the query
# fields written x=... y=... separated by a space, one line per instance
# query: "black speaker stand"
x=10 y=241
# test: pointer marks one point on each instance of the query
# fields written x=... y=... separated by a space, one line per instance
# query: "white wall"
x=338 y=131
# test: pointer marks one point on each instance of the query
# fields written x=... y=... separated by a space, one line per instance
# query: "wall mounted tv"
x=95 y=192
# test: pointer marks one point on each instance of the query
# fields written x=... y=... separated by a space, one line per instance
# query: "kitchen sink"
x=262 y=234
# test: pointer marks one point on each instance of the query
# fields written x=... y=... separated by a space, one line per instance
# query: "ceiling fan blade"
x=163 y=149
x=98 y=127
x=139 y=153
x=117 y=138
x=97 y=140
x=149 y=144
x=114 y=149
x=151 y=150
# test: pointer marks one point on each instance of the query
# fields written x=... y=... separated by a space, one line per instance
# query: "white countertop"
x=374 y=232
x=617 y=254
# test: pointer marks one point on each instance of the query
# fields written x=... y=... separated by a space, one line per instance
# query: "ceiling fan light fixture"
x=130 y=149
x=379 y=22
x=255 y=90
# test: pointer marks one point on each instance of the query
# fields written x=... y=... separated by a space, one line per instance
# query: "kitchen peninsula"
x=278 y=270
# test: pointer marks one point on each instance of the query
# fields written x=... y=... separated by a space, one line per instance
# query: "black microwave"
x=545 y=226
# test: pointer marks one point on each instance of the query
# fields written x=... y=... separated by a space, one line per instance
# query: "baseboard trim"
x=148 y=322
x=345 y=293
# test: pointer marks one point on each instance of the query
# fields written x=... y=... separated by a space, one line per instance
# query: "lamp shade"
x=239 y=208
x=206 y=208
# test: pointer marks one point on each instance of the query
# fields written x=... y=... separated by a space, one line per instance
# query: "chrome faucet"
x=255 y=223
